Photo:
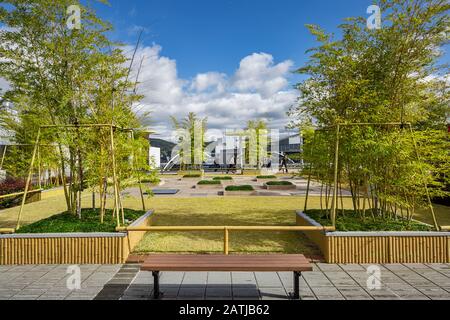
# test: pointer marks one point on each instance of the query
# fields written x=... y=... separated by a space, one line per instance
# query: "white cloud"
x=257 y=90
x=258 y=73
x=210 y=80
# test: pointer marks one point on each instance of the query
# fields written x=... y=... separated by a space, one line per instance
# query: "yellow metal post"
x=116 y=191
x=336 y=166
x=3 y=157
x=27 y=185
x=225 y=241
x=430 y=204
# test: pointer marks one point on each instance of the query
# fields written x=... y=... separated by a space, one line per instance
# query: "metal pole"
x=116 y=191
x=336 y=166
x=310 y=174
x=27 y=185
x=3 y=157
x=225 y=241
x=436 y=224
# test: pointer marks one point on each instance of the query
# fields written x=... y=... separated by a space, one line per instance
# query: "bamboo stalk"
x=3 y=157
x=27 y=185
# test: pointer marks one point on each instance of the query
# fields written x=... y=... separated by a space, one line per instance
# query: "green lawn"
x=255 y=211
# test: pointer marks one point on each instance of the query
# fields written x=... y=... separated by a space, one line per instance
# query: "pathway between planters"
x=326 y=282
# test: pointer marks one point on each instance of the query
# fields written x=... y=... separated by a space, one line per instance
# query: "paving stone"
x=219 y=278
x=354 y=293
x=329 y=267
x=316 y=279
x=435 y=293
x=352 y=267
x=192 y=292
x=216 y=291
x=195 y=278
x=340 y=279
x=243 y=292
x=171 y=278
x=273 y=293
x=243 y=279
x=268 y=279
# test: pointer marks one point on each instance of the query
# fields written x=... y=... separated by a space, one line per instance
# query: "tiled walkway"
x=329 y=282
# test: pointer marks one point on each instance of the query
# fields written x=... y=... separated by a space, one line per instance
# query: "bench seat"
x=295 y=263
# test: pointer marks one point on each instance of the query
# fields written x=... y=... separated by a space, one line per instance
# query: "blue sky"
x=229 y=60
x=206 y=35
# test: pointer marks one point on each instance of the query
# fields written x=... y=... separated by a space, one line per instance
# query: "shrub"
x=196 y=175
x=239 y=188
x=279 y=183
x=209 y=182
x=266 y=177
x=223 y=178
x=353 y=221
x=90 y=222
x=11 y=185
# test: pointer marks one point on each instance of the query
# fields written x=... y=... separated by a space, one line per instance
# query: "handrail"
x=5 y=196
x=224 y=229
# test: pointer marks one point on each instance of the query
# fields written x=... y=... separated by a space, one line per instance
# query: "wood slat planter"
x=379 y=247
x=71 y=248
x=280 y=187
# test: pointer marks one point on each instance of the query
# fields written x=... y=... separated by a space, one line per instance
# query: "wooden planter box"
x=379 y=247
x=286 y=187
x=239 y=193
x=71 y=248
x=266 y=180
x=209 y=186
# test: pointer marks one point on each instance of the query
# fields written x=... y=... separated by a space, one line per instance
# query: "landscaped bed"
x=225 y=178
x=231 y=211
x=209 y=184
x=191 y=176
x=352 y=221
x=280 y=185
x=70 y=223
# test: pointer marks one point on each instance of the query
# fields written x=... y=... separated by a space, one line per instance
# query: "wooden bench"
x=295 y=263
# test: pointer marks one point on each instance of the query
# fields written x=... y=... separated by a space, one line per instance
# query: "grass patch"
x=208 y=182
x=266 y=177
x=239 y=188
x=69 y=223
x=195 y=175
x=223 y=178
x=352 y=221
x=279 y=183
x=232 y=211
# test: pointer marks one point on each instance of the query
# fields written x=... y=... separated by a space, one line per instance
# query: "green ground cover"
x=90 y=222
x=209 y=182
x=279 y=183
x=239 y=188
x=352 y=221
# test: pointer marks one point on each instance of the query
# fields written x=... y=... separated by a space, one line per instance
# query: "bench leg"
x=156 y=293
x=296 y=295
